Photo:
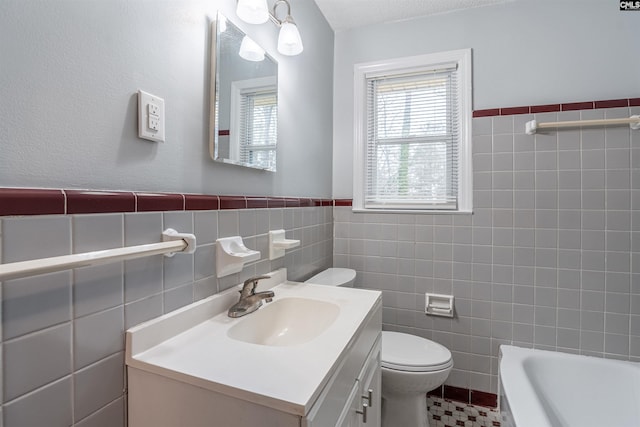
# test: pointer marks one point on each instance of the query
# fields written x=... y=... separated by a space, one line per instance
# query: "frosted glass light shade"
x=250 y=50
x=289 y=41
x=253 y=11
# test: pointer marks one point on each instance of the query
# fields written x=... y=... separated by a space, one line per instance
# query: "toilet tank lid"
x=412 y=353
x=333 y=277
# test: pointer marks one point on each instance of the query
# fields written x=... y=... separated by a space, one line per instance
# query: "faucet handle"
x=255 y=279
x=250 y=284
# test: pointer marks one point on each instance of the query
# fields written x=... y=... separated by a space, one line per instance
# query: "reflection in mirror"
x=244 y=99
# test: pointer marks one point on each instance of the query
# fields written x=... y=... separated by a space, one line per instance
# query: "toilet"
x=344 y=277
x=411 y=365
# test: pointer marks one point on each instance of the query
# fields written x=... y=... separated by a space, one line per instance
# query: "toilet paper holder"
x=438 y=305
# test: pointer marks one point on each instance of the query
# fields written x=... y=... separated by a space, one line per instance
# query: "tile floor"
x=447 y=413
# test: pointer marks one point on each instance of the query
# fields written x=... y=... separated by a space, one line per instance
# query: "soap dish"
x=278 y=244
x=232 y=255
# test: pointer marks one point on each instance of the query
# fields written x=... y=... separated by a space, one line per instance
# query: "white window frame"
x=401 y=66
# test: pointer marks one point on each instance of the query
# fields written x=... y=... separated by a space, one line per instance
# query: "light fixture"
x=254 y=12
x=250 y=50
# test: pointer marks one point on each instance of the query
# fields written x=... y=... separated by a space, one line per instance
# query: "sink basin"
x=286 y=322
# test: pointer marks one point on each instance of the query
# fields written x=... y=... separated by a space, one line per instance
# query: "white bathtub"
x=550 y=389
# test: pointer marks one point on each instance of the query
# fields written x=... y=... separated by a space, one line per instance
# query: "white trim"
x=416 y=63
x=411 y=211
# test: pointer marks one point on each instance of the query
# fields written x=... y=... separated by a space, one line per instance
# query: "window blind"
x=412 y=140
x=259 y=130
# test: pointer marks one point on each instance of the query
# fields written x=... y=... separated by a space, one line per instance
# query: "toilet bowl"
x=411 y=365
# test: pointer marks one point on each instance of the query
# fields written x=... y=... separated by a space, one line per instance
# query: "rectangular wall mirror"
x=244 y=99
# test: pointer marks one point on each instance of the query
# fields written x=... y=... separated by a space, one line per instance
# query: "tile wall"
x=549 y=259
x=63 y=333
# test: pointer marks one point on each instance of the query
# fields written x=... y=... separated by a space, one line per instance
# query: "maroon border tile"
x=151 y=202
x=82 y=201
x=549 y=108
x=343 y=202
x=233 y=202
x=223 y=132
x=482 y=398
x=573 y=106
x=291 y=202
x=456 y=393
x=487 y=113
x=201 y=202
x=277 y=202
x=437 y=392
x=612 y=103
x=255 y=202
x=34 y=201
x=514 y=110
x=26 y=201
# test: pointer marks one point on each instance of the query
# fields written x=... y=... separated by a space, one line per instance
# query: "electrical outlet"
x=154 y=122
x=150 y=117
x=153 y=109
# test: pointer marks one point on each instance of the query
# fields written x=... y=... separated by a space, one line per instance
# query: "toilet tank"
x=345 y=277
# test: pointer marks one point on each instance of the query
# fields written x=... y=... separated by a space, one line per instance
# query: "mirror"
x=244 y=99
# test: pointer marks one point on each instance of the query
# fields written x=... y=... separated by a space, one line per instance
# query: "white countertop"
x=191 y=345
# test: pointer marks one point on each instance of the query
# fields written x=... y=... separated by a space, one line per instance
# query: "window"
x=255 y=116
x=412 y=137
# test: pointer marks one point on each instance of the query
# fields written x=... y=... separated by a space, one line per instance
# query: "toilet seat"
x=410 y=353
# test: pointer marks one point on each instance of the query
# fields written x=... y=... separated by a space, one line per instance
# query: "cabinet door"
x=371 y=391
x=349 y=416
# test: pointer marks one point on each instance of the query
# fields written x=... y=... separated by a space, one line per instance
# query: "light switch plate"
x=150 y=116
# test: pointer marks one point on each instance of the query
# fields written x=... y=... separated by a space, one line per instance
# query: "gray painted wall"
x=69 y=72
x=524 y=53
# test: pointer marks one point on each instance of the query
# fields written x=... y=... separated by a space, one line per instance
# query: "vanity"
x=309 y=358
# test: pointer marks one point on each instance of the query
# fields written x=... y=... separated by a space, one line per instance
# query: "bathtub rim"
x=518 y=387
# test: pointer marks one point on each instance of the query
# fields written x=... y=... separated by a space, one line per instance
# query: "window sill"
x=413 y=211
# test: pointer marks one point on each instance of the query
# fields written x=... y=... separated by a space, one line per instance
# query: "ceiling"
x=346 y=14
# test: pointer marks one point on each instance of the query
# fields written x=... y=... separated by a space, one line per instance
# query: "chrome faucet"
x=250 y=301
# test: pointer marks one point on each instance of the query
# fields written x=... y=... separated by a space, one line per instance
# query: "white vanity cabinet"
x=364 y=403
x=196 y=376
x=343 y=400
